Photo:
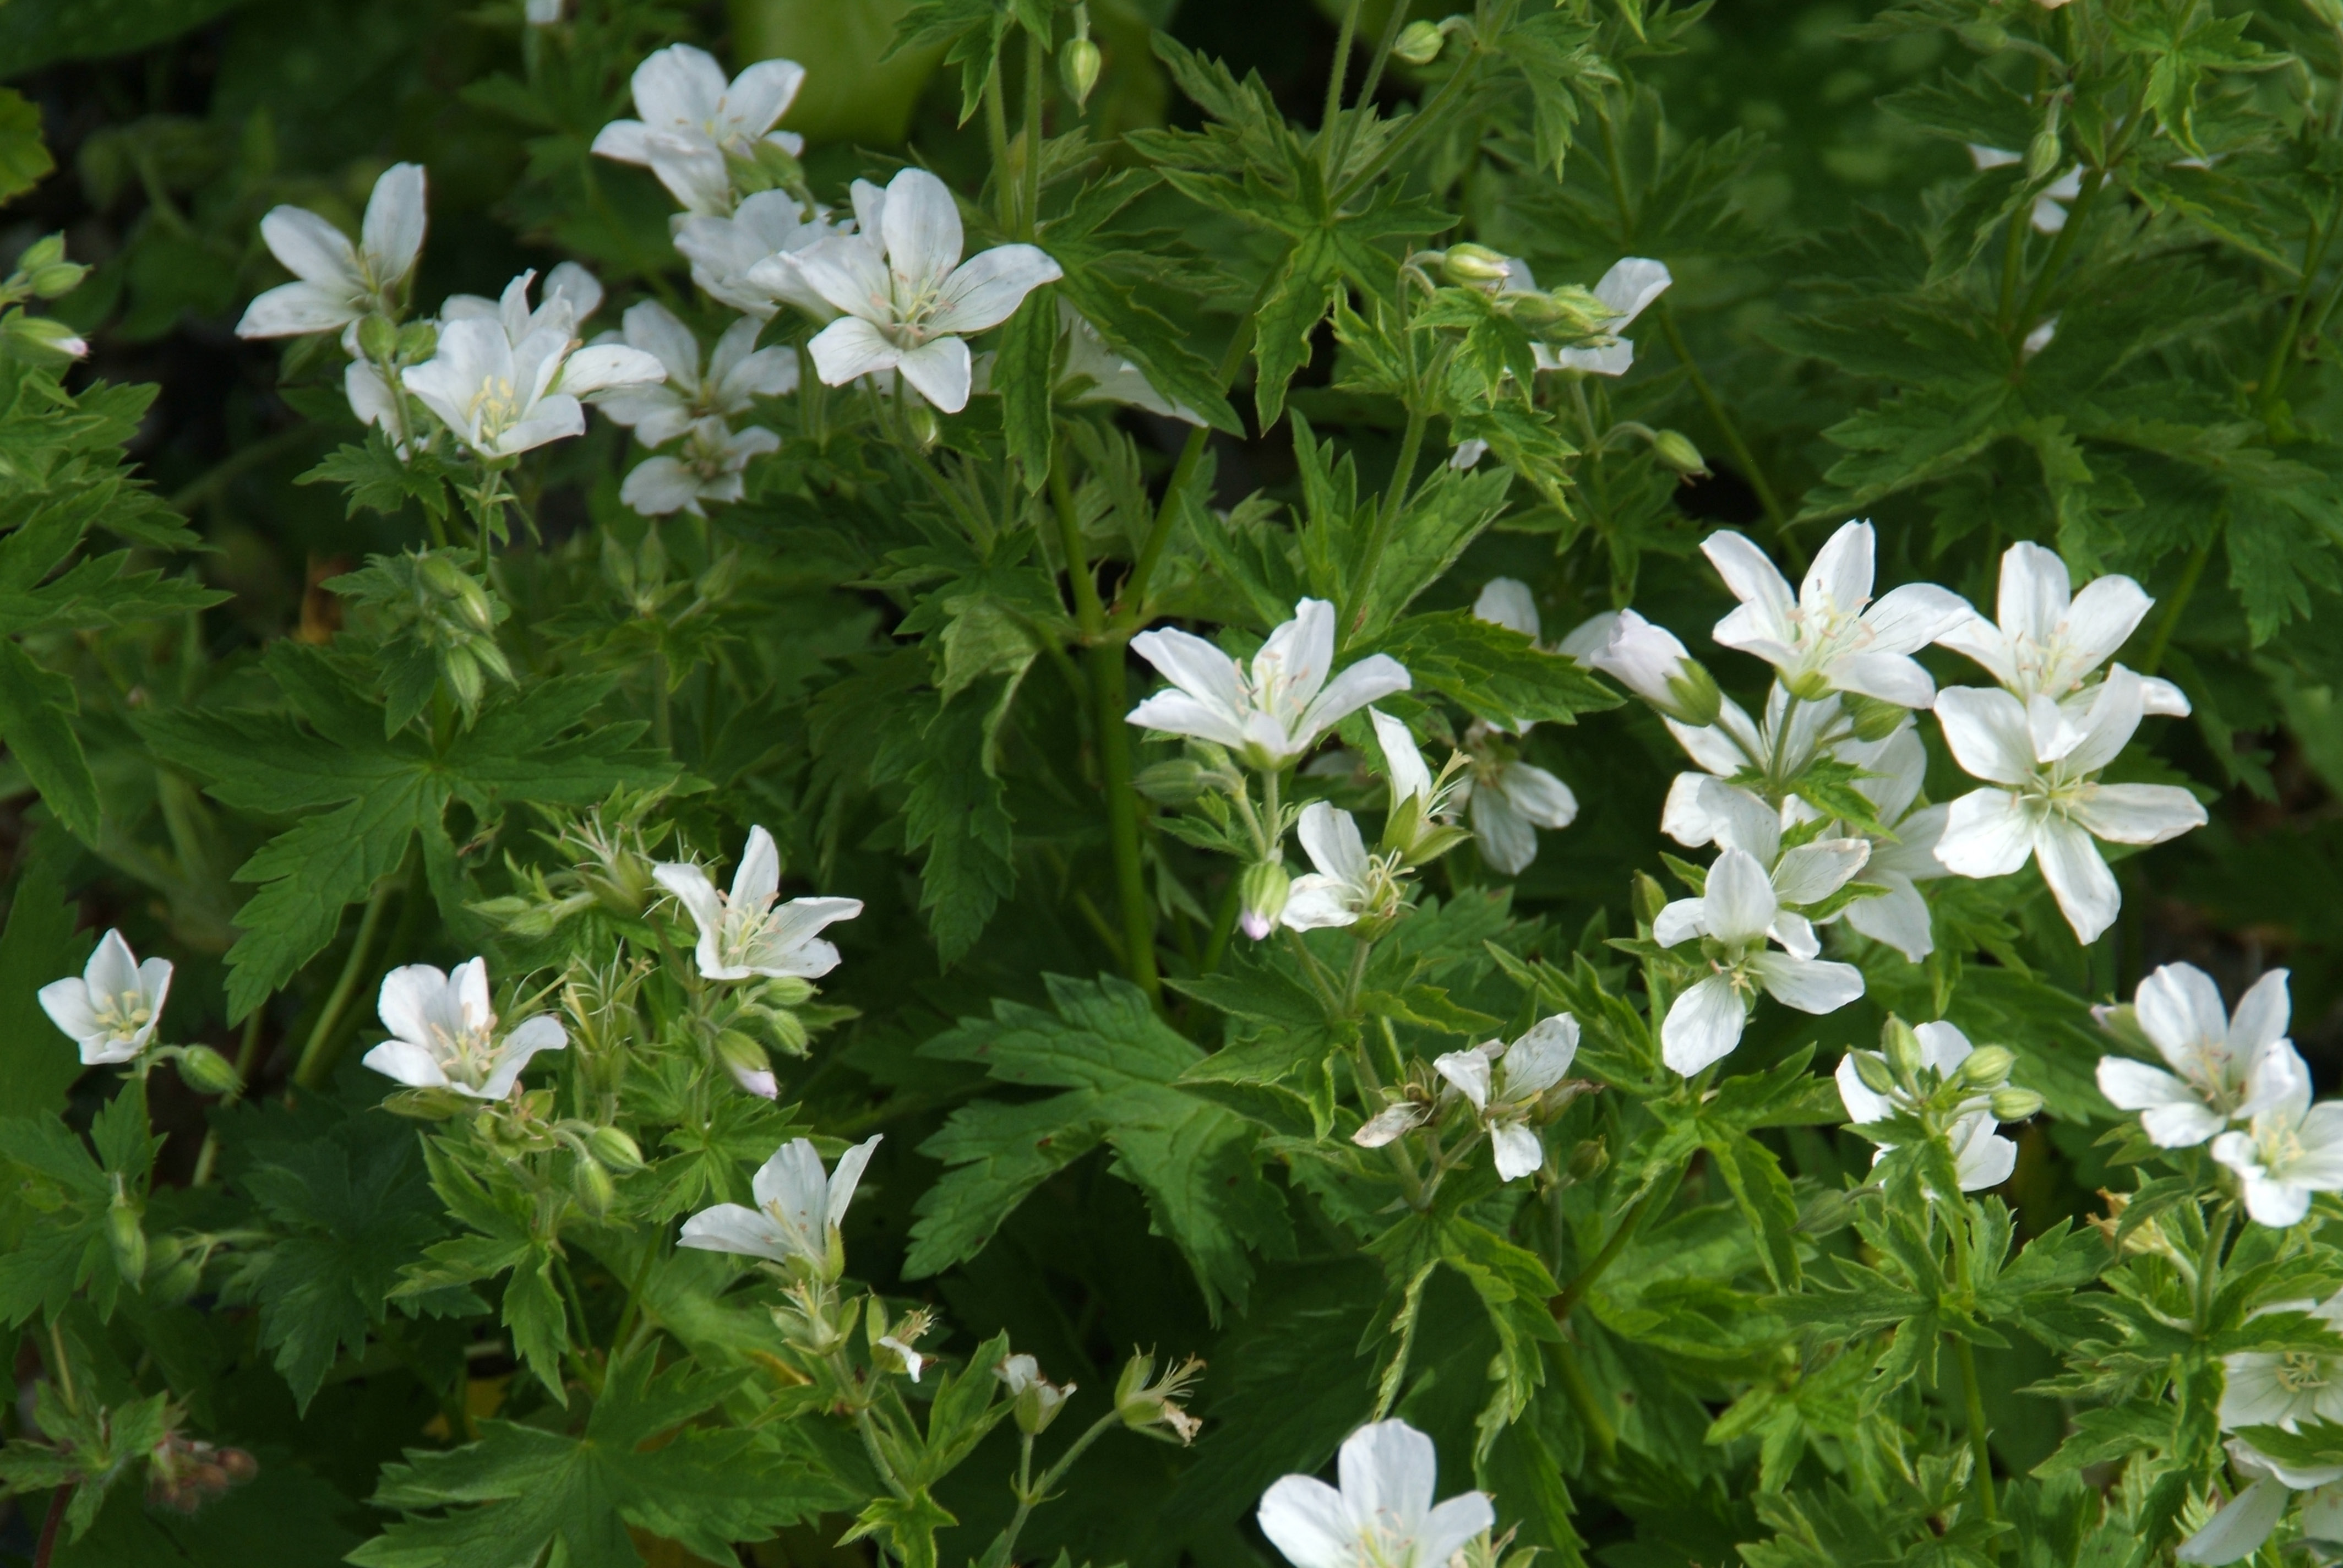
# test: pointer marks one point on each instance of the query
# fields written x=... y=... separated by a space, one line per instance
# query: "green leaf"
x=24 y=160
x=1023 y=373
x=36 y=713
x=37 y=1063
x=1762 y=1193
x=1493 y=671
x=958 y=813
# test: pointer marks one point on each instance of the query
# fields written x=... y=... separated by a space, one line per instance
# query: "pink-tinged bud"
x=1261 y=897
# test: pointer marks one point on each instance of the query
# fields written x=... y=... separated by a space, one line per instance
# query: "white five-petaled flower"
x=2213 y=1054
x=111 y=1011
x=2291 y=1148
x=501 y=398
x=693 y=119
x=1383 y=1516
x=2285 y=1387
x=740 y=933
x=1631 y=285
x=1511 y=799
x=443 y=1032
x=1274 y=710
x=2237 y=1530
x=1899 y=916
x=1740 y=907
x=747 y=260
x=2045 y=758
x=571 y=294
x=2050 y=640
x=907 y=298
x=707 y=467
x=1504 y=1083
x=738 y=373
x=1833 y=635
x=1112 y=378
x=338 y=282
x=2050 y=214
x=1349 y=883
x=798 y=1209
x=1982 y=1158
x=1649 y=662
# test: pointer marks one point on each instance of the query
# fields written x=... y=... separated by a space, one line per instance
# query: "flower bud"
x=741 y=1054
x=206 y=1072
x=56 y=279
x=1675 y=448
x=1589 y=1160
x=2328 y=11
x=170 y=1286
x=128 y=1240
x=615 y=1149
x=1034 y=1399
x=1985 y=38
x=2013 y=1104
x=1874 y=717
x=1472 y=264
x=2042 y=153
x=1078 y=69
x=42 y=338
x=461 y=589
x=592 y=1184
x=1419 y=43
x=1172 y=783
x=1987 y=1066
x=378 y=338
x=417 y=341
x=1261 y=895
x=462 y=673
x=925 y=426
x=1872 y=1071
x=1649 y=662
x=1903 y=1048
x=47 y=251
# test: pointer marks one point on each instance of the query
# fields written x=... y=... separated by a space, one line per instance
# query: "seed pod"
x=47 y=251
x=206 y=1072
x=614 y=1148
x=925 y=426
x=1419 y=43
x=1471 y=264
x=128 y=1240
x=1694 y=693
x=1078 y=69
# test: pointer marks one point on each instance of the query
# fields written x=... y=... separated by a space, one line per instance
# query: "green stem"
x=248 y=1051
x=1564 y=1304
x=2164 y=625
x=316 y=1063
x=1035 y=75
x=2013 y=265
x=1405 y=136
x=1775 y=515
x=1027 y=1496
x=996 y=132
x=1583 y=1400
x=2208 y=1266
x=1980 y=1448
x=1359 y=598
x=2266 y=400
x=1109 y=683
x=1392 y=23
x=1333 y=115
x=1225 y=924
x=2059 y=250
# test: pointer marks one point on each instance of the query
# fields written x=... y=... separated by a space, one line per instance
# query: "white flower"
x=2051 y=805
x=1510 y=800
x=1740 y=907
x=2050 y=640
x=2213 y=1055
x=2283 y=1389
x=738 y=373
x=1504 y=1084
x=911 y=1359
x=797 y=1213
x=541 y=13
x=1649 y=662
x=740 y=933
x=1899 y=916
x=1347 y=882
x=443 y=1032
x=2237 y=1530
x=2039 y=339
x=2050 y=214
x=340 y=282
x=1632 y=284
x=112 y=1009
x=692 y=120
x=908 y=298
x=1508 y=602
x=1833 y=635
x=1982 y=1158
x=1384 y=1517
x=1274 y=710
x=747 y=260
x=501 y=399
x=571 y=295
x=707 y=467
x=2293 y=1148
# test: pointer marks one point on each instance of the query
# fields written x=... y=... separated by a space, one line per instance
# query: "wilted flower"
x=693 y=120
x=1383 y=1516
x=2292 y=1148
x=740 y=933
x=1504 y=1084
x=2051 y=804
x=1143 y=1400
x=340 y=282
x=797 y=1213
x=1274 y=710
x=1741 y=907
x=443 y=1032
x=2049 y=642
x=502 y=401
x=2213 y=1055
x=1832 y=636
x=908 y=299
x=112 y=1011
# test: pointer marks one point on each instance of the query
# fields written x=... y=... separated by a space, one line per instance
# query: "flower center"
x=495 y=408
x=2299 y=1371
x=123 y=1016
x=465 y=1055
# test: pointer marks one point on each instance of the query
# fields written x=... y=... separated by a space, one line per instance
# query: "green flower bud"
x=206 y=1072
x=1172 y=783
x=1874 y=1072
x=1693 y=692
x=1903 y=1049
x=128 y=1240
x=1987 y=1066
x=1419 y=43
x=1261 y=898
x=594 y=1188
x=614 y=1148
x=461 y=589
x=1675 y=448
x=47 y=251
x=1874 y=717
x=1471 y=264
x=1078 y=69
x=739 y=1053
x=2042 y=153
x=378 y=338
x=925 y=426
x=1985 y=38
x=1589 y=1160
x=462 y=673
x=2013 y=1104
x=170 y=1286
x=43 y=339
x=417 y=341
x=57 y=280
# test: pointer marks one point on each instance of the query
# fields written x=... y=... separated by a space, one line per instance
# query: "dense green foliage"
x=342 y=646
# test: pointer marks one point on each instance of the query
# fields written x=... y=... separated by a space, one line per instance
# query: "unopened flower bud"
x=2014 y=1104
x=377 y=339
x=128 y=1240
x=1874 y=717
x=40 y=337
x=1987 y=1066
x=1903 y=1049
x=462 y=590
x=2042 y=153
x=1261 y=897
x=462 y=673
x=1675 y=448
x=1649 y=662
x=1078 y=69
x=47 y=251
x=592 y=1184
x=56 y=279
x=1589 y=1160
x=925 y=426
x=1419 y=43
x=1172 y=783
x=1872 y=1071
x=614 y=1148
x=417 y=341
x=206 y=1072
x=1471 y=264
x=741 y=1054
x=1985 y=38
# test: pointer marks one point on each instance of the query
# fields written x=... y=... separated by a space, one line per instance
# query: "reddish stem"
x=49 y=1526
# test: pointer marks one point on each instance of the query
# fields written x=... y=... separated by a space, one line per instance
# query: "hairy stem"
x=318 y=1056
x=1775 y=515
x=1661 y=1191
x=2170 y=619
x=1980 y=1448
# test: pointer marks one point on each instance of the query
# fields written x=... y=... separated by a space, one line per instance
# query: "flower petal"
x=940 y=372
x=1909 y=618
x=313 y=249
x=1507 y=840
x=1756 y=582
x=1809 y=985
x=1371 y=679
x=1987 y=834
x=1508 y=602
x=393 y=231
x=296 y=309
x=1703 y=1025
x=1988 y=733
x=763 y=94
x=1331 y=839
x=1306 y=1521
x=2078 y=878
x=1631 y=285
x=1538 y=795
x=1196 y=666
x=2139 y=813
x=920 y=226
x=1178 y=713
x=406 y=1063
x=987 y=289
x=849 y=272
x=1898 y=916
x=850 y=347
x=848 y=1176
x=730 y=1228
x=1738 y=903
x=1841 y=575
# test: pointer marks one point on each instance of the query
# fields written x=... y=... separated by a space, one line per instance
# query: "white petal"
x=1402 y=763
x=1898 y=916
x=1632 y=284
x=294 y=309
x=1388 y=1472
x=848 y=1176
x=921 y=225
x=939 y=372
x=1986 y=730
x=406 y=1063
x=695 y=892
x=1177 y=713
x=411 y=997
x=987 y=289
x=678 y=87
x=851 y=348
x=393 y=231
x=1812 y=873
x=2179 y=1008
x=2261 y=1017
x=1371 y=679
x=1841 y=575
x=1889 y=677
x=763 y=92
x=1738 y=903
x=1331 y=839
x=1982 y=1158
x=2078 y=878
x=1535 y=1063
x=1754 y=580
x=658 y=487
x=849 y=272
x=1703 y=1026
x=532 y=1035
x=1194 y=665
x=1987 y=834
x=313 y=249
x=1679 y=920
x=1469 y=1070
x=730 y=1228
x=1863 y=1103
x=653 y=329
x=591 y=369
x=2139 y=813
x=624 y=141
x=1316 y=901
x=2035 y=593
x=1538 y=795
x=1808 y=985
x=1909 y=618
x=1507 y=602
x=2239 y=1530
x=1518 y=1154
x=1305 y=1519
x=67 y=1001
x=2102 y=617
x=1507 y=839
